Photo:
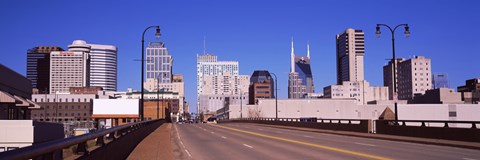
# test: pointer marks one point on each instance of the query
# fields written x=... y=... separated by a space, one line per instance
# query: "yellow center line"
x=308 y=144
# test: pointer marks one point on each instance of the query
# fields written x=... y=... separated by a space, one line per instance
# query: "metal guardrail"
x=424 y=122
x=53 y=149
x=448 y=130
x=354 y=125
x=342 y=121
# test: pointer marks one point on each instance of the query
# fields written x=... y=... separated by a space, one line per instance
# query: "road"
x=252 y=141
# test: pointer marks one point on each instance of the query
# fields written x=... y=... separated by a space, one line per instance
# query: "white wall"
x=347 y=109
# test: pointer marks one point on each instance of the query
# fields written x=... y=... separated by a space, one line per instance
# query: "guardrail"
x=354 y=125
x=465 y=130
x=113 y=143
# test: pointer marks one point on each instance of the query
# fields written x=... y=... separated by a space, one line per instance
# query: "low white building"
x=22 y=133
x=349 y=109
x=361 y=91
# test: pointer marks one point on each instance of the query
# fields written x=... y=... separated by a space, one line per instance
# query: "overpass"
x=265 y=138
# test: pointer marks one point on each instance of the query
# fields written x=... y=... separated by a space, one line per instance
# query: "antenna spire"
x=308 y=49
x=204 y=45
x=292 y=58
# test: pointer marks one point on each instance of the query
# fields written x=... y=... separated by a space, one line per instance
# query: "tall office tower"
x=158 y=62
x=388 y=76
x=414 y=77
x=68 y=69
x=207 y=64
x=103 y=63
x=261 y=86
x=440 y=80
x=350 y=53
x=38 y=67
x=300 y=79
x=225 y=84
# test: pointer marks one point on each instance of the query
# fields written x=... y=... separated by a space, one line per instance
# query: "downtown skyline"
x=258 y=36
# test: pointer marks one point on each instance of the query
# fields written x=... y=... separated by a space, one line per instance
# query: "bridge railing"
x=354 y=125
x=449 y=130
x=113 y=143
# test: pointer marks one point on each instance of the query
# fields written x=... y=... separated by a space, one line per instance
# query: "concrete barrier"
x=471 y=134
x=353 y=125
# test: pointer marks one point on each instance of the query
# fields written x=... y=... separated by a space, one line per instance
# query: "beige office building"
x=68 y=69
x=361 y=91
x=350 y=55
x=388 y=76
x=414 y=77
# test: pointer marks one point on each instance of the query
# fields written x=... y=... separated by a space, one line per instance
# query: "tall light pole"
x=241 y=108
x=157 y=34
x=158 y=97
x=394 y=61
x=276 y=97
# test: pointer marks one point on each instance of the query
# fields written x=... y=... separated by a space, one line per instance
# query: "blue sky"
x=255 y=33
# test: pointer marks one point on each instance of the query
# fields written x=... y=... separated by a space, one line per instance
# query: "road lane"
x=201 y=145
x=282 y=149
x=259 y=147
x=398 y=150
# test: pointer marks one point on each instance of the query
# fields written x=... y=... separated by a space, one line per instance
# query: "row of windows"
x=59 y=114
x=60 y=100
x=60 y=119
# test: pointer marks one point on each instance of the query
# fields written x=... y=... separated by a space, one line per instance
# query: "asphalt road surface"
x=250 y=141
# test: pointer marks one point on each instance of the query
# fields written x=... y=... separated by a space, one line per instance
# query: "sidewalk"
x=157 y=145
x=441 y=142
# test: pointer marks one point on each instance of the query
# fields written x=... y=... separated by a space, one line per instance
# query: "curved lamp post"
x=276 y=97
x=157 y=34
x=407 y=34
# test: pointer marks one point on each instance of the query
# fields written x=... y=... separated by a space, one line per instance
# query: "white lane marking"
x=308 y=136
x=246 y=145
x=204 y=129
x=365 y=144
x=188 y=153
x=212 y=132
x=468 y=159
x=224 y=137
x=260 y=129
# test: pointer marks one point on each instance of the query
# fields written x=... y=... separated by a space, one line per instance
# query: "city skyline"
x=262 y=32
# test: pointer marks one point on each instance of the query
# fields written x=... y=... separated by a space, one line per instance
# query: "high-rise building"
x=215 y=88
x=207 y=65
x=300 y=78
x=225 y=84
x=440 y=80
x=38 y=67
x=103 y=63
x=261 y=86
x=158 y=62
x=350 y=55
x=68 y=69
x=360 y=90
x=414 y=77
x=388 y=76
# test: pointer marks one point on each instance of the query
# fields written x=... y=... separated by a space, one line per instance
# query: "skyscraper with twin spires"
x=300 y=79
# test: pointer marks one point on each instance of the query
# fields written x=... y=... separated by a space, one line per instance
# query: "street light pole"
x=276 y=97
x=241 y=108
x=157 y=34
x=158 y=98
x=394 y=61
